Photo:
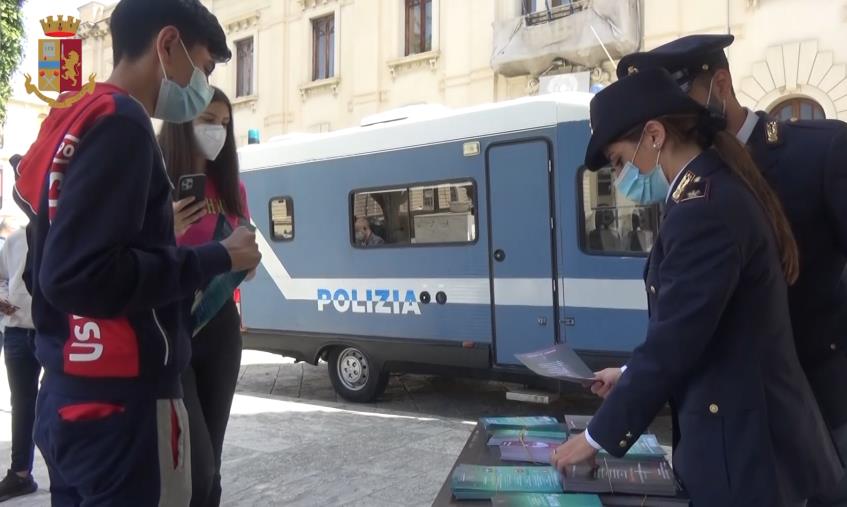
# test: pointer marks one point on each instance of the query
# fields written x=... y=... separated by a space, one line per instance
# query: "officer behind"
x=806 y=164
x=747 y=429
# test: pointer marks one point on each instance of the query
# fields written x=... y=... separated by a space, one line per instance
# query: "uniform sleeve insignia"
x=690 y=187
x=772 y=131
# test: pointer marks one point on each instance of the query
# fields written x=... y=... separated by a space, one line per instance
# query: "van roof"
x=446 y=126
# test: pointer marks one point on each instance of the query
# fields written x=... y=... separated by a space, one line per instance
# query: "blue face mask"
x=177 y=104
x=644 y=189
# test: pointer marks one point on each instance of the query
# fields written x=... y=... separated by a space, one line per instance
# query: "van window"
x=613 y=224
x=282 y=218
x=434 y=213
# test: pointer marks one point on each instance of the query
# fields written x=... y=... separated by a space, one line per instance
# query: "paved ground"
x=292 y=442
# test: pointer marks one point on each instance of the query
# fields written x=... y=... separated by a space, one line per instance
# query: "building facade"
x=319 y=65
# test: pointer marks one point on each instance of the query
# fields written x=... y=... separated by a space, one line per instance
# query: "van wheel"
x=355 y=375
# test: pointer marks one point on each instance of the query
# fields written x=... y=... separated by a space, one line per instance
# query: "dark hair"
x=706 y=131
x=180 y=148
x=134 y=24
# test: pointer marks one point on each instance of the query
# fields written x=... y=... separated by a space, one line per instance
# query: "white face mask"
x=210 y=139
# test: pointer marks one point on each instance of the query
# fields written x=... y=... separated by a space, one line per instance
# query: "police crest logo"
x=772 y=131
x=690 y=187
x=60 y=64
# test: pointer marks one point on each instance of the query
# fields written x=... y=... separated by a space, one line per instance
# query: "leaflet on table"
x=559 y=362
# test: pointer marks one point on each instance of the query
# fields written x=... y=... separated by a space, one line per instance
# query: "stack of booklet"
x=625 y=476
x=479 y=482
x=529 y=435
x=546 y=500
x=492 y=424
x=531 y=445
x=529 y=450
x=642 y=475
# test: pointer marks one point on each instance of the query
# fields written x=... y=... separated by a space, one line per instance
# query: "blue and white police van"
x=443 y=242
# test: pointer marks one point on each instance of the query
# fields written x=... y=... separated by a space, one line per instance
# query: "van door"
x=521 y=248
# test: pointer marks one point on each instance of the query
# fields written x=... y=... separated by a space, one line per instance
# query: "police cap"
x=629 y=102
x=684 y=58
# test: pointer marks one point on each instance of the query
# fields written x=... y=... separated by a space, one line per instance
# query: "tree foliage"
x=11 y=42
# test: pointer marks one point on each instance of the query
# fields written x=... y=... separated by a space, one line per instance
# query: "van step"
x=528 y=396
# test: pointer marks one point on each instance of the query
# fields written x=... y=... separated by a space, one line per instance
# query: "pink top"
x=202 y=231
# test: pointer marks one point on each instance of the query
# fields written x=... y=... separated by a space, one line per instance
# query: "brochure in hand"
x=209 y=301
x=558 y=362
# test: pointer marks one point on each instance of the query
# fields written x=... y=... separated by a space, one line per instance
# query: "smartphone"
x=191 y=185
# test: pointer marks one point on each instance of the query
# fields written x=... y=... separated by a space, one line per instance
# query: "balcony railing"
x=557 y=12
x=584 y=33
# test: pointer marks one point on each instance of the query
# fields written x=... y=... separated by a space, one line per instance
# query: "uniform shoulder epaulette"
x=691 y=187
x=773 y=132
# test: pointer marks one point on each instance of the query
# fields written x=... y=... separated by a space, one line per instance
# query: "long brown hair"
x=699 y=129
x=180 y=148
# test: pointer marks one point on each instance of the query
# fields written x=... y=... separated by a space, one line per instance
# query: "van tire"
x=355 y=375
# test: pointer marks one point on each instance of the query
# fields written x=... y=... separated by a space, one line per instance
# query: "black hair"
x=180 y=148
x=135 y=23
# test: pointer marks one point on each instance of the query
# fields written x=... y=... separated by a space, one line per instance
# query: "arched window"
x=799 y=108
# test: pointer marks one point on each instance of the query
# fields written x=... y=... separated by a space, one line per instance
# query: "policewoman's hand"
x=575 y=450
x=243 y=250
x=606 y=380
x=186 y=213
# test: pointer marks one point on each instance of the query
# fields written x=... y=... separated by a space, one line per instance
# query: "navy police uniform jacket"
x=719 y=348
x=806 y=164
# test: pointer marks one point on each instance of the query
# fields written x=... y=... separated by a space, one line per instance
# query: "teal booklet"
x=478 y=482
x=527 y=451
x=529 y=435
x=519 y=423
x=209 y=301
x=545 y=500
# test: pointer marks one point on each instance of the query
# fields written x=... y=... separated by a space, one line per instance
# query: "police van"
x=446 y=241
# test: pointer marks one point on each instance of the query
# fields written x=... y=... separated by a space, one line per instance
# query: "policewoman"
x=719 y=348
x=806 y=164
